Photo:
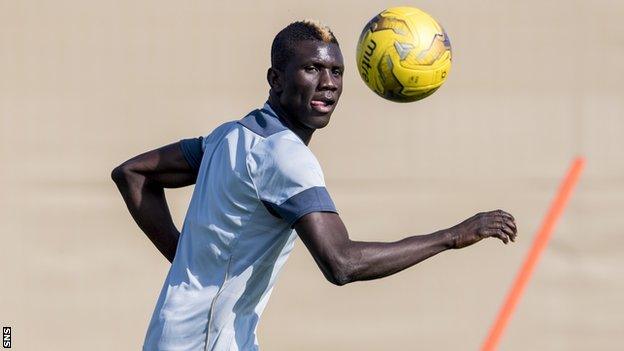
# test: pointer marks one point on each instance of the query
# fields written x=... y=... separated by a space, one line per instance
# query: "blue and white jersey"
x=256 y=178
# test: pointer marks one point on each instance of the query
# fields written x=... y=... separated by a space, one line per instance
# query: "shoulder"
x=198 y=144
x=218 y=133
x=288 y=178
x=285 y=152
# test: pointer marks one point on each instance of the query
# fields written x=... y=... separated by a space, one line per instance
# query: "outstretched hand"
x=497 y=224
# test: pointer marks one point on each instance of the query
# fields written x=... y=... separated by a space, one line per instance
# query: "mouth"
x=323 y=104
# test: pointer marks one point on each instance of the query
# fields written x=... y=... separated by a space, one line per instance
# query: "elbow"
x=339 y=279
x=340 y=273
x=120 y=173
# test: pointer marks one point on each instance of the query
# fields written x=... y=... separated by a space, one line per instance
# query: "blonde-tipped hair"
x=286 y=40
x=324 y=31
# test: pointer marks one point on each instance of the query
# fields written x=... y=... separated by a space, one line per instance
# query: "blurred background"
x=85 y=85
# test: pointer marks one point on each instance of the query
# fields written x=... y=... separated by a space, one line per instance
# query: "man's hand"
x=498 y=224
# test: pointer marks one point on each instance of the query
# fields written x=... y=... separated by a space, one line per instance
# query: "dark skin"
x=304 y=93
x=141 y=181
x=308 y=85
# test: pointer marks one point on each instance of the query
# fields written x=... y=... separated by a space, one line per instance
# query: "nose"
x=328 y=81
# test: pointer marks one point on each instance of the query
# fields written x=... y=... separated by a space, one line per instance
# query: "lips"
x=323 y=104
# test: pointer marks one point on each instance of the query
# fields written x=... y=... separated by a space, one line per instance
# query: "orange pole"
x=539 y=243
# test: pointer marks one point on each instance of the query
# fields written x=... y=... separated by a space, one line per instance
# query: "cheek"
x=301 y=93
x=305 y=83
x=298 y=90
x=295 y=98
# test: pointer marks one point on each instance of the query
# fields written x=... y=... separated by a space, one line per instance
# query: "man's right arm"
x=141 y=181
x=343 y=260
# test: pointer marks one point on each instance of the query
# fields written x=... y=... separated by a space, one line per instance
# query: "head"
x=306 y=73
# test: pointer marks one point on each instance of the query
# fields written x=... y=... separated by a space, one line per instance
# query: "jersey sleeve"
x=192 y=151
x=288 y=179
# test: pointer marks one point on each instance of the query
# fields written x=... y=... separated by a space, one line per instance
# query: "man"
x=256 y=180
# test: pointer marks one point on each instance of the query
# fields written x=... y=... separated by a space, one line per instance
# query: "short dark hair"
x=285 y=41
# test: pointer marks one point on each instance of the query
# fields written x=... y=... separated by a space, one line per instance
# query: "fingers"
x=503 y=229
x=498 y=224
x=508 y=228
x=509 y=232
x=514 y=228
x=497 y=233
x=504 y=214
x=506 y=223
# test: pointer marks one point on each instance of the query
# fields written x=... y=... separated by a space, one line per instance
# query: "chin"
x=318 y=121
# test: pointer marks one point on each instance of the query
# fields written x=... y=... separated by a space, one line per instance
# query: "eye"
x=311 y=69
x=337 y=72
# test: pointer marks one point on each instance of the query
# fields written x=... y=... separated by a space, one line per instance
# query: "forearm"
x=147 y=204
x=343 y=260
x=373 y=260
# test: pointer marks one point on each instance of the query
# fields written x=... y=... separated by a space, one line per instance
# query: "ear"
x=274 y=77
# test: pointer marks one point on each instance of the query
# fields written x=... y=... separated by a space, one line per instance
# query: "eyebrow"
x=317 y=62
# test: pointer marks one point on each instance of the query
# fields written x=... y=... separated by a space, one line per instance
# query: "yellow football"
x=403 y=54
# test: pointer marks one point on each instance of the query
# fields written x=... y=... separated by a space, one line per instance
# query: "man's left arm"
x=141 y=182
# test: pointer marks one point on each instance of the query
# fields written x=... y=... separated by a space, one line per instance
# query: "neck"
x=304 y=133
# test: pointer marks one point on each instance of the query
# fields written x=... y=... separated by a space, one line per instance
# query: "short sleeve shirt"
x=256 y=178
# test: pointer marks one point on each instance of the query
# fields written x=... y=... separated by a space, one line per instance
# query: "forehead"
x=317 y=51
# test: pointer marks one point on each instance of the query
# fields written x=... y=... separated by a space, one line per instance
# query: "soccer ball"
x=403 y=54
